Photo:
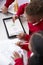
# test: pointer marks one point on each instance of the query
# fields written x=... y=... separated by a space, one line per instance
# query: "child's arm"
x=25 y=46
x=26 y=37
x=21 y=9
x=19 y=61
x=6 y=5
x=8 y=2
x=23 y=36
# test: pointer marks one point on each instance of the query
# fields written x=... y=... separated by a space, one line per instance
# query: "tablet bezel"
x=13 y=36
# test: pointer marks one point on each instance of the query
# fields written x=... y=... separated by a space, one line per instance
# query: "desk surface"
x=4 y=41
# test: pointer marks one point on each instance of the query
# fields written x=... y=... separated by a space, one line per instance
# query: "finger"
x=18 y=36
x=12 y=57
x=18 y=43
x=22 y=56
x=13 y=19
x=10 y=64
x=16 y=54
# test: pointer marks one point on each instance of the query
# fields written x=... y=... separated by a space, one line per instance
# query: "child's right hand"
x=21 y=36
x=15 y=56
x=15 y=17
x=19 y=44
x=4 y=9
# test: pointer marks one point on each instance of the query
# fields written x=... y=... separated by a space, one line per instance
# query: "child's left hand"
x=21 y=35
x=16 y=56
x=4 y=9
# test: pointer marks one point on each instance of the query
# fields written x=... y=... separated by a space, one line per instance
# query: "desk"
x=5 y=43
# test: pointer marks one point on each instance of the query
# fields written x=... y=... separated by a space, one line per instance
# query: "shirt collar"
x=38 y=22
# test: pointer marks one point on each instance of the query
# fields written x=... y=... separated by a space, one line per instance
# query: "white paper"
x=6 y=51
x=4 y=54
x=4 y=60
x=20 y=2
x=14 y=28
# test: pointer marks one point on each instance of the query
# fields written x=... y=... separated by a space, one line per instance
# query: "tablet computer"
x=13 y=28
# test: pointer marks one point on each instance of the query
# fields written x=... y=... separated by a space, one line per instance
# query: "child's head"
x=36 y=60
x=36 y=43
x=34 y=11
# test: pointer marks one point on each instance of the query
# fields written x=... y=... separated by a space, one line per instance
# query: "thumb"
x=12 y=57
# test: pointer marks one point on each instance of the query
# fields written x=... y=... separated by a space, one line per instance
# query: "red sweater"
x=8 y=3
x=32 y=28
x=19 y=61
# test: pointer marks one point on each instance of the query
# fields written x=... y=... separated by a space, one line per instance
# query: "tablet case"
x=13 y=36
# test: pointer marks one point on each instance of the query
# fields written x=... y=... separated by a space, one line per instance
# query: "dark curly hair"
x=36 y=42
x=34 y=8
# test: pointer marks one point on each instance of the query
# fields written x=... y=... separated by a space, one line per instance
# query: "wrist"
x=17 y=59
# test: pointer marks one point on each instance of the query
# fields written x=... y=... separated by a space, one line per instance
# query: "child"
x=36 y=46
x=34 y=15
x=34 y=12
x=36 y=43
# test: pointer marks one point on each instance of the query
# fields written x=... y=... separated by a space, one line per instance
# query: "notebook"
x=13 y=28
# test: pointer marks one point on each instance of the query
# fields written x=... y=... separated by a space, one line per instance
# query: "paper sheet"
x=20 y=2
x=4 y=60
x=6 y=51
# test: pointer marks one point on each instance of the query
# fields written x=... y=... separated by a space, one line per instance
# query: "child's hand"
x=16 y=56
x=14 y=18
x=21 y=36
x=4 y=9
x=19 y=44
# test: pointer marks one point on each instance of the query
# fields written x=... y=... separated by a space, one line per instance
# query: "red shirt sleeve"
x=8 y=2
x=19 y=61
x=25 y=47
x=27 y=37
x=21 y=9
